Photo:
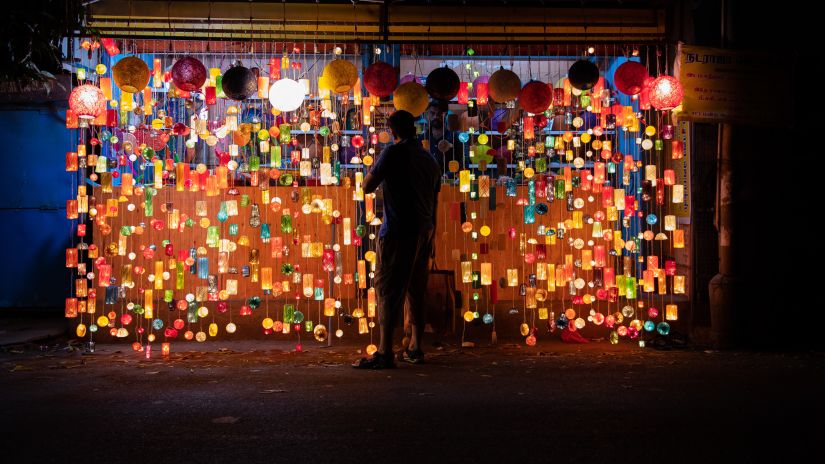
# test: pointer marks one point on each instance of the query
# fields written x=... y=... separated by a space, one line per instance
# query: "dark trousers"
x=403 y=269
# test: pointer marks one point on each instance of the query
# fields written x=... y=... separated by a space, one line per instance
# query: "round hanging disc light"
x=504 y=85
x=411 y=97
x=131 y=74
x=630 y=77
x=535 y=97
x=583 y=75
x=380 y=79
x=443 y=83
x=239 y=82
x=666 y=93
x=188 y=74
x=340 y=76
x=87 y=101
x=286 y=95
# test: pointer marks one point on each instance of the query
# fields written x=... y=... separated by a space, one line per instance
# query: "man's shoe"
x=376 y=361
x=412 y=357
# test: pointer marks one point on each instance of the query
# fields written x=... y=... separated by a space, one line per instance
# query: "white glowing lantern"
x=286 y=95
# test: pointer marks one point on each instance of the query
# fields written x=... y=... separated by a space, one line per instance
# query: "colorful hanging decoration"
x=583 y=74
x=666 y=93
x=188 y=73
x=380 y=79
x=207 y=200
x=504 y=85
x=535 y=97
x=412 y=97
x=630 y=77
x=131 y=74
x=443 y=83
x=239 y=83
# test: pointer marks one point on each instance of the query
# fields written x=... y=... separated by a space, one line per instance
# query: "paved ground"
x=263 y=402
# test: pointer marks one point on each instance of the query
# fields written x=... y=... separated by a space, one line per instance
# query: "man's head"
x=402 y=125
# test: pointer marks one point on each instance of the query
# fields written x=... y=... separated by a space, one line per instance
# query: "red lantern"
x=630 y=77
x=482 y=93
x=644 y=95
x=110 y=46
x=87 y=101
x=464 y=93
x=380 y=79
x=666 y=93
x=188 y=74
x=481 y=85
x=357 y=141
x=535 y=97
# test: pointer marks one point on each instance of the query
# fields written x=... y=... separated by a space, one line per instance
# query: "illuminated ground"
x=261 y=402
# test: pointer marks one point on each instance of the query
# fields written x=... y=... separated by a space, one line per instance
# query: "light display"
x=201 y=214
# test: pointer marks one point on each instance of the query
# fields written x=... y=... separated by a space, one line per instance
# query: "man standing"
x=410 y=180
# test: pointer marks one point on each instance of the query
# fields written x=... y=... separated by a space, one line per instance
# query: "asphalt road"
x=263 y=402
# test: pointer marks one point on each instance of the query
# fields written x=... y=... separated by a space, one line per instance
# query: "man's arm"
x=376 y=174
x=371 y=182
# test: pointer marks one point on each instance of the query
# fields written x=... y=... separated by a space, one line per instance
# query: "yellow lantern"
x=340 y=76
x=411 y=97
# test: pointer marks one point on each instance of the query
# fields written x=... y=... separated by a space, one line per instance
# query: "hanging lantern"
x=504 y=85
x=464 y=93
x=666 y=93
x=340 y=75
x=380 y=79
x=188 y=74
x=443 y=83
x=131 y=74
x=630 y=77
x=481 y=87
x=535 y=97
x=239 y=82
x=87 y=101
x=411 y=97
x=583 y=75
x=644 y=95
x=286 y=95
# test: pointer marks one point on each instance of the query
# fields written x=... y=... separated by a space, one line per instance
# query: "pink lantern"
x=666 y=93
x=87 y=101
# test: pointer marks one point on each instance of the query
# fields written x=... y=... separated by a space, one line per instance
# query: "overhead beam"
x=368 y=22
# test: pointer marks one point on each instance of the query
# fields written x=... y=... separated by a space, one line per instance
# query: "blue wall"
x=34 y=187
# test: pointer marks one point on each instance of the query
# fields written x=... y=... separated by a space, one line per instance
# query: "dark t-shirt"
x=410 y=180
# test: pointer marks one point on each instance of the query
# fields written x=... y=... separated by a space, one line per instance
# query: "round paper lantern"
x=504 y=85
x=535 y=97
x=380 y=79
x=666 y=93
x=131 y=74
x=411 y=97
x=239 y=83
x=630 y=77
x=188 y=74
x=286 y=95
x=443 y=83
x=583 y=75
x=340 y=76
x=87 y=101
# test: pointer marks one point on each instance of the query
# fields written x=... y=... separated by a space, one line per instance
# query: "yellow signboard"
x=731 y=86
